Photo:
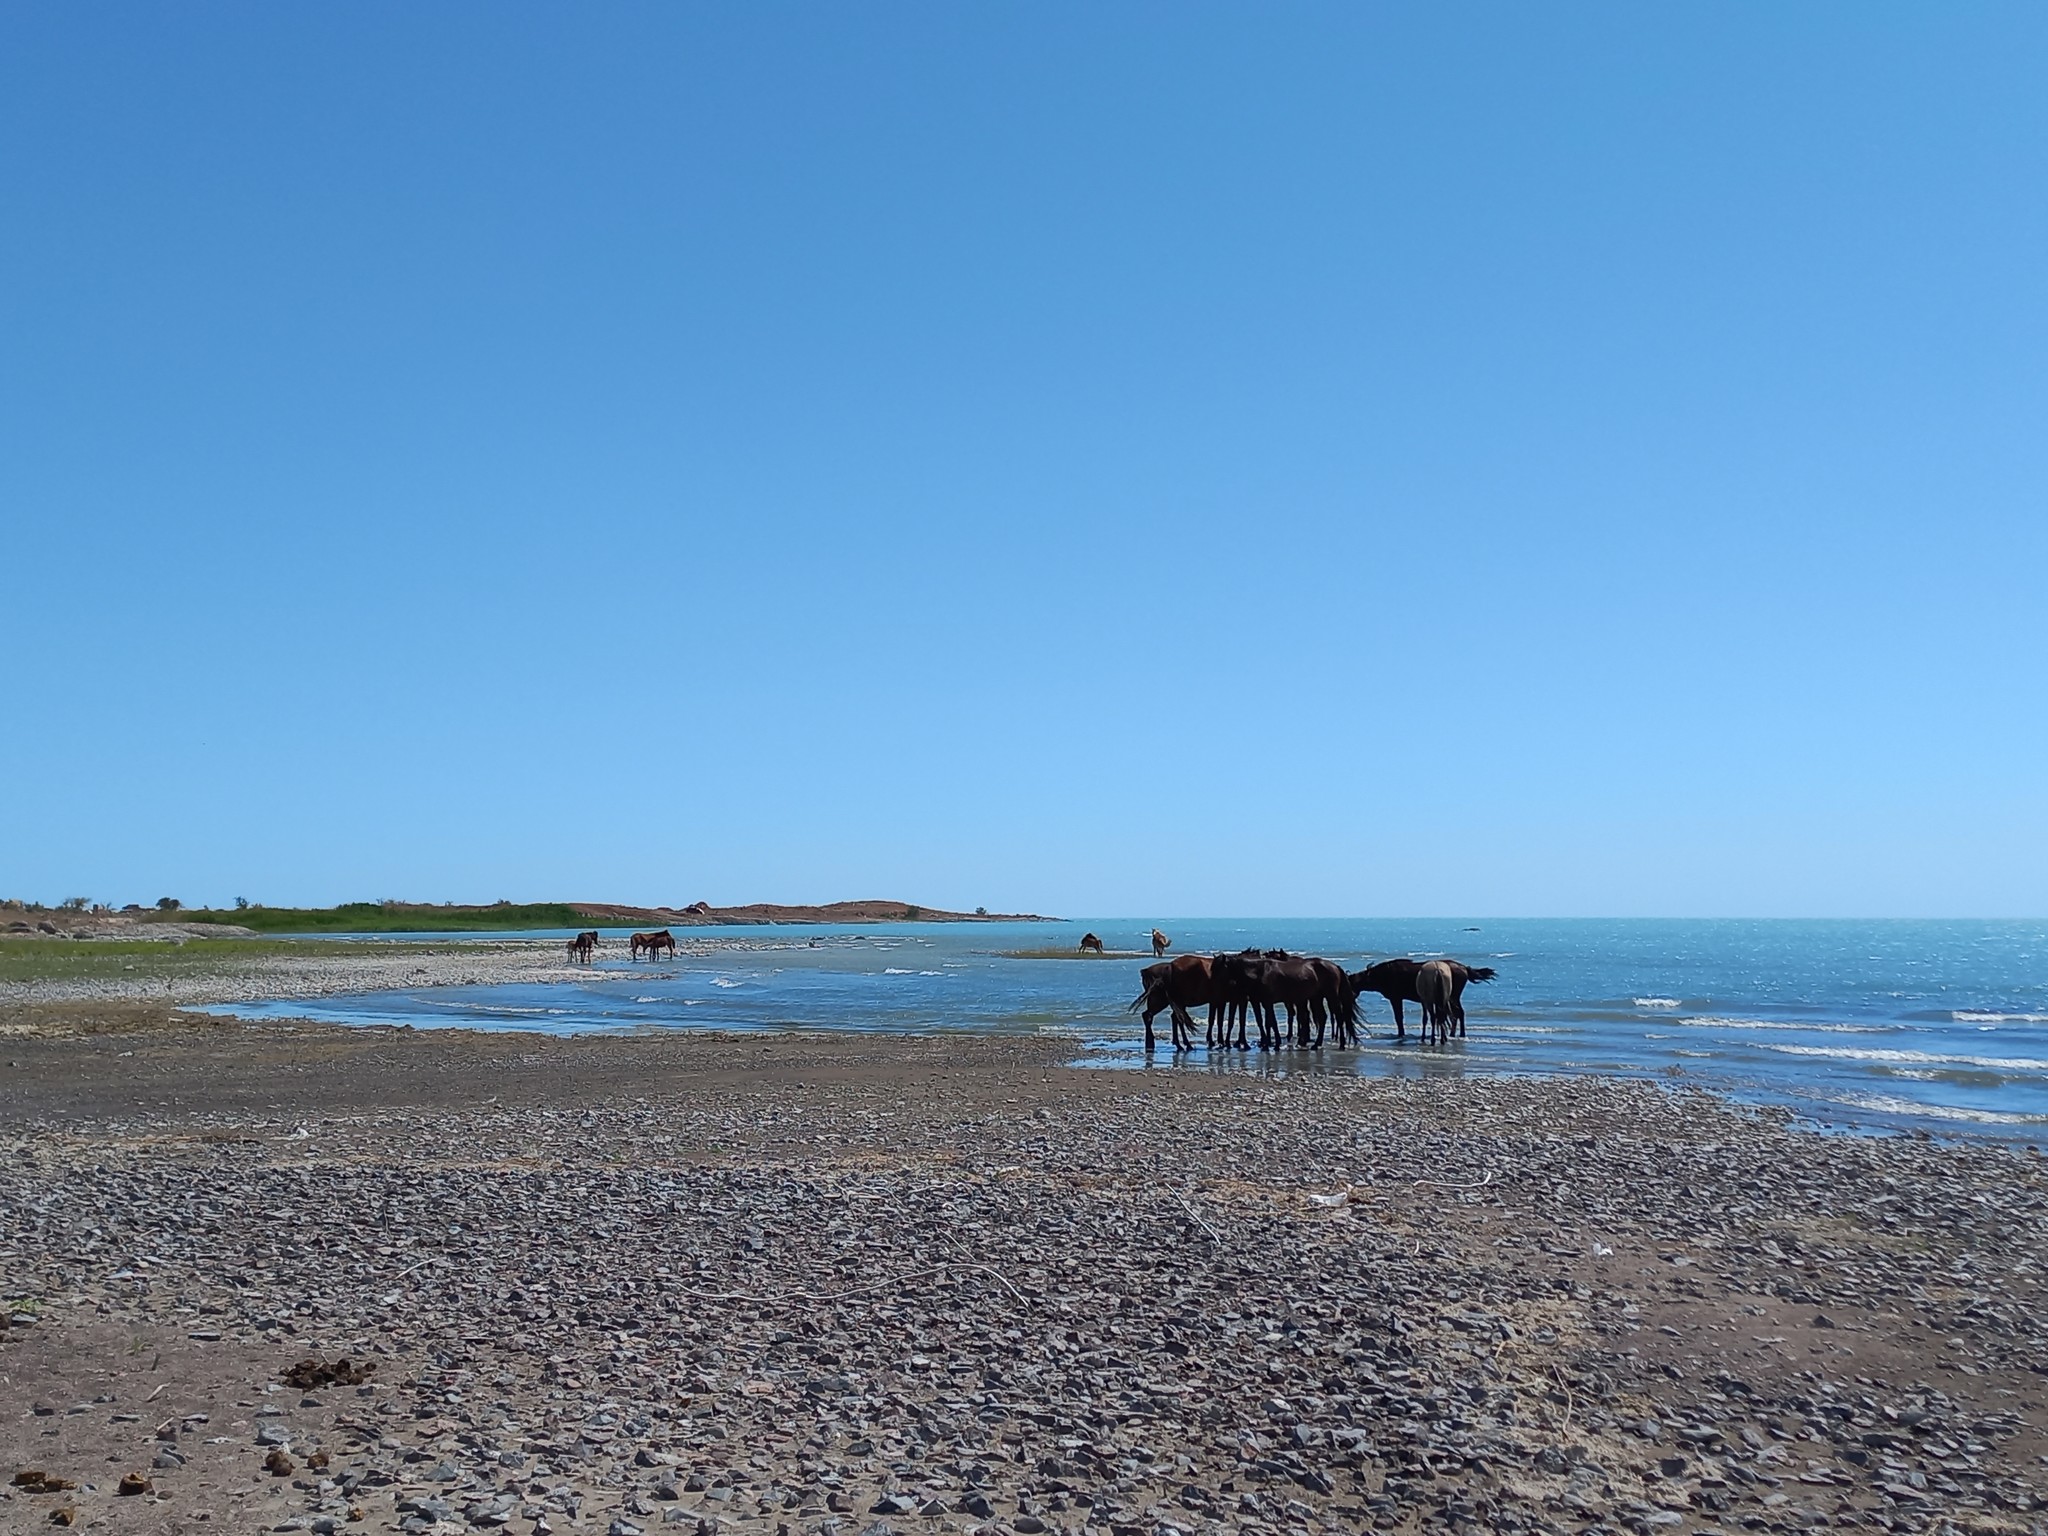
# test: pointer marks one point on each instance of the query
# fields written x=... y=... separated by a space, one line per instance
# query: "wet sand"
x=824 y=1283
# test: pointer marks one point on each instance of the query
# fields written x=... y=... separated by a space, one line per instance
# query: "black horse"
x=1395 y=981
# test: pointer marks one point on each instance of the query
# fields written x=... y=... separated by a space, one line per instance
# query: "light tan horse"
x=1160 y=943
x=1437 y=987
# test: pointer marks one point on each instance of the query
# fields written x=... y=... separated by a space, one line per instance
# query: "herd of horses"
x=583 y=947
x=1252 y=985
x=1315 y=993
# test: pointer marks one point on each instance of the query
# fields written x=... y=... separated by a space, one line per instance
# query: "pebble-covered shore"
x=854 y=1286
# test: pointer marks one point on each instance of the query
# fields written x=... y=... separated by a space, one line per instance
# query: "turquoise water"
x=1939 y=1026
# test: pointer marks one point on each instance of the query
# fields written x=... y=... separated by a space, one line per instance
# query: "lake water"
x=1940 y=1026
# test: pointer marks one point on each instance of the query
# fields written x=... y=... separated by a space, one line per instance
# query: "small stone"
x=133 y=1483
x=277 y=1464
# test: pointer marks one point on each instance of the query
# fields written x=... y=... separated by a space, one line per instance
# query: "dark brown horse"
x=1174 y=987
x=1395 y=981
x=583 y=946
x=652 y=944
x=1090 y=945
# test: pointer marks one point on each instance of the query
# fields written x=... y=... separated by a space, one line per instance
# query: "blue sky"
x=1136 y=459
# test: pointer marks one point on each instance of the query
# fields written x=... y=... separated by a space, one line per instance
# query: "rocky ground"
x=854 y=1285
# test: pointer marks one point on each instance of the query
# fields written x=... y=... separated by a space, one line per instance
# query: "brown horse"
x=583 y=946
x=1090 y=945
x=1395 y=981
x=1160 y=944
x=1174 y=986
x=652 y=944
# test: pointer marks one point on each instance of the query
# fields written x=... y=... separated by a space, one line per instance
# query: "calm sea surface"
x=1940 y=1026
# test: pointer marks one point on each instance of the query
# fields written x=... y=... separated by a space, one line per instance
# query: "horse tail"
x=1480 y=973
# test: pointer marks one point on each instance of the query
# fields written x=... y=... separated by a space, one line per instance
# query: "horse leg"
x=1151 y=1044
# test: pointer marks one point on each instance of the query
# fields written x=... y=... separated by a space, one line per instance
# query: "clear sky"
x=1142 y=459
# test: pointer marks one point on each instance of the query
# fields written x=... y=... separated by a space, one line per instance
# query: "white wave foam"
x=1713 y=1021
x=1971 y=1016
x=1914 y=1058
x=723 y=981
x=1895 y=1106
x=646 y=999
x=1656 y=1002
x=897 y=970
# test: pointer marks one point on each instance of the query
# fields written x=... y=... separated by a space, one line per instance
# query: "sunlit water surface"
x=1938 y=1026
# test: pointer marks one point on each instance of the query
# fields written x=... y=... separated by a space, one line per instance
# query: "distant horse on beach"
x=652 y=944
x=583 y=946
x=1090 y=945
x=1160 y=943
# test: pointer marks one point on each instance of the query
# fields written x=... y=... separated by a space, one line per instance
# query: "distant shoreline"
x=424 y=917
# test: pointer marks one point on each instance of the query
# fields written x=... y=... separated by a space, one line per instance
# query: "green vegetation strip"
x=1074 y=954
x=67 y=959
x=375 y=917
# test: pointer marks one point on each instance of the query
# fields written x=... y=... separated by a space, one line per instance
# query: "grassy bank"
x=69 y=960
x=380 y=917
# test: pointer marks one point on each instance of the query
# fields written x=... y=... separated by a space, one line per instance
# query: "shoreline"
x=953 y=1285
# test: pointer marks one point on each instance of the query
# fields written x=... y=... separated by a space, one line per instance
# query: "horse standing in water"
x=1176 y=986
x=1436 y=988
x=1395 y=981
x=653 y=944
x=1160 y=944
x=1090 y=945
x=583 y=946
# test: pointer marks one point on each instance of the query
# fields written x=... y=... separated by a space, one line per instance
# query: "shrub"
x=168 y=904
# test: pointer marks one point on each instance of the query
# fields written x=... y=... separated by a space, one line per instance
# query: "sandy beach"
x=848 y=1284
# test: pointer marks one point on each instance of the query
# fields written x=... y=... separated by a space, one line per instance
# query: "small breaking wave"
x=1972 y=1016
x=1885 y=1104
x=1913 y=1058
x=1657 y=1002
x=724 y=981
x=897 y=970
x=1711 y=1021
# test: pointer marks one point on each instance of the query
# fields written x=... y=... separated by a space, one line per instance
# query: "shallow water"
x=1939 y=1026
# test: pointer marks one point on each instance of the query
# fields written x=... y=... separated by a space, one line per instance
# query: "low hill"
x=423 y=917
